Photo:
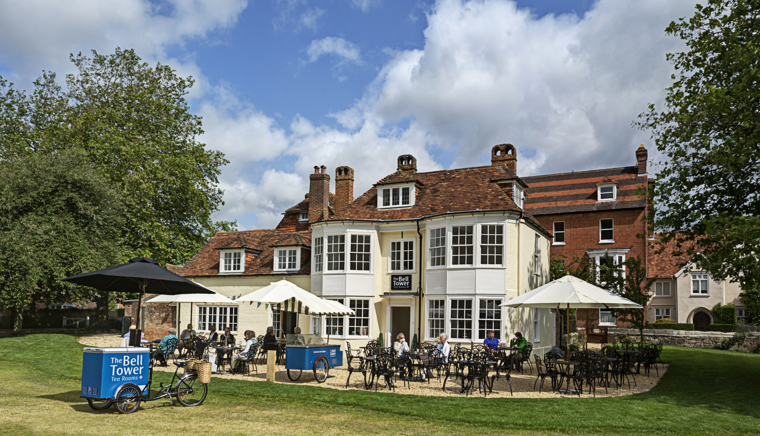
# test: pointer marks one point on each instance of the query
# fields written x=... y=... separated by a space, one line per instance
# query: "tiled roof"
x=259 y=262
x=576 y=191
x=440 y=192
x=666 y=264
x=303 y=206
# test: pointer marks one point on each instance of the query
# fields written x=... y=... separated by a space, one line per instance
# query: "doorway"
x=701 y=321
x=400 y=323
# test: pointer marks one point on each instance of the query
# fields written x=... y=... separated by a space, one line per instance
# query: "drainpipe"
x=419 y=288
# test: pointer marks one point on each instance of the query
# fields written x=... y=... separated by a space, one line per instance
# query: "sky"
x=284 y=85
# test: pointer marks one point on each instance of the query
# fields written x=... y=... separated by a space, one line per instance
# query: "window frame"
x=464 y=319
x=303 y=217
x=331 y=264
x=402 y=252
x=741 y=314
x=345 y=320
x=537 y=255
x=442 y=320
x=518 y=195
x=354 y=262
x=555 y=232
x=607 y=323
x=611 y=229
x=215 y=317
x=700 y=277
x=222 y=264
x=661 y=285
x=494 y=321
x=442 y=247
x=386 y=194
x=318 y=253
x=462 y=246
x=498 y=246
x=599 y=192
x=278 y=253
x=658 y=316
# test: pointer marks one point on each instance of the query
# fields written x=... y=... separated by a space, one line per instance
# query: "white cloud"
x=39 y=34
x=364 y=5
x=330 y=45
x=310 y=18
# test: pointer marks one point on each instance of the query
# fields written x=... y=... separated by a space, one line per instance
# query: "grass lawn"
x=703 y=392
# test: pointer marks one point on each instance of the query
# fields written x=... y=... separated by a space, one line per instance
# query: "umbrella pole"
x=567 y=353
x=138 y=323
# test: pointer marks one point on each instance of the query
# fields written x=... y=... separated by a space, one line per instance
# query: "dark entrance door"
x=701 y=321
x=289 y=322
x=400 y=317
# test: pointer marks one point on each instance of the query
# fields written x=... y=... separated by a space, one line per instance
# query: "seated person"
x=518 y=344
x=444 y=347
x=163 y=347
x=213 y=336
x=400 y=347
x=270 y=341
x=491 y=342
x=185 y=337
x=250 y=341
x=129 y=332
x=227 y=338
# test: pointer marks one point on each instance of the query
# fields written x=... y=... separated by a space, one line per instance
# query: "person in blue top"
x=491 y=342
x=167 y=346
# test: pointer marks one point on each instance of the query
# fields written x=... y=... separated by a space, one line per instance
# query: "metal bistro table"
x=308 y=352
x=566 y=374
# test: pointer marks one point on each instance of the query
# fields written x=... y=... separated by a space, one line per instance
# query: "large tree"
x=708 y=189
x=134 y=124
x=58 y=217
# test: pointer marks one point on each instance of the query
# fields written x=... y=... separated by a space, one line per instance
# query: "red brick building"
x=594 y=212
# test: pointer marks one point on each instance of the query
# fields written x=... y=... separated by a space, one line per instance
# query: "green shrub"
x=673 y=326
x=724 y=314
x=380 y=341
x=733 y=340
x=722 y=327
x=666 y=321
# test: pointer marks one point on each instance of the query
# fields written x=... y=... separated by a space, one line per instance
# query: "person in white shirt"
x=444 y=347
x=249 y=342
x=400 y=346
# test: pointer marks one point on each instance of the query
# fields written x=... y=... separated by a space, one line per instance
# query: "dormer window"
x=287 y=259
x=395 y=196
x=518 y=196
x=606 y=192
x=303 y=217
x=231 y=261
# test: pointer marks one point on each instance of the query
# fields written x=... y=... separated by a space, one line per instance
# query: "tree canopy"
x=58 y=217
x=134 y=125
x=707 y=192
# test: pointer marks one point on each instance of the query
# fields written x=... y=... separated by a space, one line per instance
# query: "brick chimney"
x=641 y=159
x=344 y=187
x=504 y=154
x=407 y=164
x=319 y=194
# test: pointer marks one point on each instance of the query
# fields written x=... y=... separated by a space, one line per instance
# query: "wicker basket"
x=203 y=368
x=190 y=366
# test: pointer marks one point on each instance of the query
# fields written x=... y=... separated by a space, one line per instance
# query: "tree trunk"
x=101 y=315
x=18 y=319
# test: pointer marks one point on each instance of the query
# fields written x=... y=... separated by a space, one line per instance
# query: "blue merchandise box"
x=104 y=370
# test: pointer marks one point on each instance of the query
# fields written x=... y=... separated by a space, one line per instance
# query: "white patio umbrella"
x=571 y=293
x=215 y=297
x=286 y=296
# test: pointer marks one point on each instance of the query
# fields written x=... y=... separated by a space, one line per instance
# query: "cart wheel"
x=190 y=392
x=321 y=369
x=294 y=374
x=99 y=404
x=128 y=398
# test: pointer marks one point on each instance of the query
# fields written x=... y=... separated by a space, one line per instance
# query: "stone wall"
x=683 y=338
x=157 y=317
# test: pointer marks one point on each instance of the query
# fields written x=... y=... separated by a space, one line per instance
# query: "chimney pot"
x=641 y=159
x=407 y=164
x=316 y=169
x=504 y=154
x=344 y=187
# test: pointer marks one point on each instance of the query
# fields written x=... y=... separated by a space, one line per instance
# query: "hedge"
x=675 y=326
x=722 y=327
x=724 y=314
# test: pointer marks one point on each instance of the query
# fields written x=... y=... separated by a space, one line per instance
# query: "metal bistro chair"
x=355 y=360
x=503 y=370
x=526 y=358
x=542 y=374
x=457 y=365
x=198 y=348
x=250 y=359
x=171 y=347
x=477 y=371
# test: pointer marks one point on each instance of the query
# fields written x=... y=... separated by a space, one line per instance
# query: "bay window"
x=336 y=252
x=461 y=245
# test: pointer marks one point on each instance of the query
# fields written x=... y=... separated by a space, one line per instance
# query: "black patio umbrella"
x=140 y=275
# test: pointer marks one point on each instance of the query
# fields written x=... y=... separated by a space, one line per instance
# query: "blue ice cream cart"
x=307 y=352
x=122 y=377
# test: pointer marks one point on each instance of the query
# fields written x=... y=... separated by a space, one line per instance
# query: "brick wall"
x=157 y=318
x=290 y=223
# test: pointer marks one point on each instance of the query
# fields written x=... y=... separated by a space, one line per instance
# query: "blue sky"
x=283 y=85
